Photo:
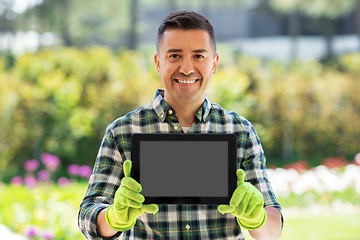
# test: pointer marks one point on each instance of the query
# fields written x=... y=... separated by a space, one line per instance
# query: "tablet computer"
x=185 y=168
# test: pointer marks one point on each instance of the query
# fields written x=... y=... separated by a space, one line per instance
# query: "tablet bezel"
x=232 y=166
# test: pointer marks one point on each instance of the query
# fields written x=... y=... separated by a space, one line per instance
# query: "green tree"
x=310 y=109
x=132 y=39
x=80 y=23
x=6 y=24
x=60 y=101
x=357 y=19
x=325 y=11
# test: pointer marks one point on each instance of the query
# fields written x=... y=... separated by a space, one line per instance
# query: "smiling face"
x=186 y=63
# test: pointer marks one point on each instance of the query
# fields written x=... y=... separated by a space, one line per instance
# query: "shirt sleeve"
x=103 y=184
x=254 y=164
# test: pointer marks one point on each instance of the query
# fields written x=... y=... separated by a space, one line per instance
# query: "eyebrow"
x=200 y=50
x=180 y=50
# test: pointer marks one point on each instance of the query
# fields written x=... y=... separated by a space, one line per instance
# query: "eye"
x=199 y=56
x=174 y=55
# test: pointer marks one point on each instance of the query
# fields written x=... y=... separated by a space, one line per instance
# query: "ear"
x=215 y=64
x=157 y=63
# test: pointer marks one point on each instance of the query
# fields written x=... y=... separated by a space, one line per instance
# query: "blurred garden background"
x=70 y=67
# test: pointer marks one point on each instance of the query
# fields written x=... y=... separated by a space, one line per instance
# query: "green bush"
x=61 y=100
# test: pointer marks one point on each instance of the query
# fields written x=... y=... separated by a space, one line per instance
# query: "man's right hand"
x=128 y=201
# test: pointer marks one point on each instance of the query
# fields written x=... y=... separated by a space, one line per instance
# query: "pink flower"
x=299 y=166
x=357 y=159
x=16 y=181
x=73 y=169
x=31 y=165
x=51 y=161
x=85 y=171
x=47 y=234
x=43 y=175
x=63 y=182
x=335 y=162
x=31 y=231
x=30 y=181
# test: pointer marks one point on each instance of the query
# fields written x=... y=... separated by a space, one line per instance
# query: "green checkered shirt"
x=172 y=221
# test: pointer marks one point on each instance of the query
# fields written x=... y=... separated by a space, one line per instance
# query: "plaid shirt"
x=172 y=221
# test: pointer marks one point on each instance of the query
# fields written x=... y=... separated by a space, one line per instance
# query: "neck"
x=186 y=112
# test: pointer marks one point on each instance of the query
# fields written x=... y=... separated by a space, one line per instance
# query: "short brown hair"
x=186 y=20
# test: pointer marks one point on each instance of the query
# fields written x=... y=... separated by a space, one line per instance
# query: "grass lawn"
x=327 y=227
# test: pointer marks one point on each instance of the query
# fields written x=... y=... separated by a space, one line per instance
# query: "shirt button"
x=176 y=127
x=171 y=112
x=161 y=115
x=187 y=227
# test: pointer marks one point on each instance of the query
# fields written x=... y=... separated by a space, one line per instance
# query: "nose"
x=187 y=67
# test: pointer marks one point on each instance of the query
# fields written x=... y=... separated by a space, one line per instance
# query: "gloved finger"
x=243 y=205
x=240 y=175
x=225 y=208
x=254 y=202
x=127 y=168
x=238 y=195
x=124 y=201
x=257 y=199
x=128 y=193
x=150 y=208
x=257 y=211
x=131 y=183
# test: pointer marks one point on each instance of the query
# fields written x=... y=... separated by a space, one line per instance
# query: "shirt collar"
x=161 y=107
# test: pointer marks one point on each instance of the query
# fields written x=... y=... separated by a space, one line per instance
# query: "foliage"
x=302 y=107
x=110 y=23
x=60 y=101
x=315 y=8
x=322 y=18
x=79 y=24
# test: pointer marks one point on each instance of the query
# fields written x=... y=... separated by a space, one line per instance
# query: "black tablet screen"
x=184 y=168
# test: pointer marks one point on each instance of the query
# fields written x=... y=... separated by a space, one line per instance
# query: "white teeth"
x=186 y=81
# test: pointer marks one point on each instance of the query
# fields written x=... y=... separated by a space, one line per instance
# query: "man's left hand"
x=246 y=204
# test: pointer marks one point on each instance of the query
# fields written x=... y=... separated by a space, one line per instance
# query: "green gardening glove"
x=246 y=204
x=128 y=201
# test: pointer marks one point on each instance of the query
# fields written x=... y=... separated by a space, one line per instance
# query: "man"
x=186 y=60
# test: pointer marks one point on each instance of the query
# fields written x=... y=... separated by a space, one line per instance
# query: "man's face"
x=186 y=63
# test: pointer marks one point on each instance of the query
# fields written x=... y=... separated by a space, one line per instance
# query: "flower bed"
x=46 y=211
x=330 y=188
x=319 y=180
x=41 y=207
